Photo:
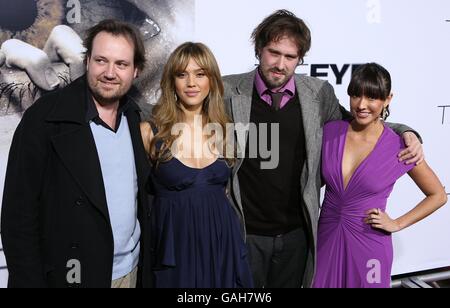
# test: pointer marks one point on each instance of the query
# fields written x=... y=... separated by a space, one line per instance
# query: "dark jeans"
x=278 y=262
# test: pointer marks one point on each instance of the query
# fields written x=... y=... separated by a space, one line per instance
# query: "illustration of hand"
x=66 y=45
x=63 y=44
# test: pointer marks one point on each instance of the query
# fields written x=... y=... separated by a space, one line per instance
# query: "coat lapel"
x=75 y=145
x=77 y=150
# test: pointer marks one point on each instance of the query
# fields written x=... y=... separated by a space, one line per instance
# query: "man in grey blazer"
x=281 y=203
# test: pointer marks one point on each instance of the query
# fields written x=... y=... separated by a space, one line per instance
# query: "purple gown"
x=350 y=253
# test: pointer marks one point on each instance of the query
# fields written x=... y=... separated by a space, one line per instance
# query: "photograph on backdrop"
x=41 y=43
x=41 y=50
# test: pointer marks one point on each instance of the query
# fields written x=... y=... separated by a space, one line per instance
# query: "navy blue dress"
x=197 y=242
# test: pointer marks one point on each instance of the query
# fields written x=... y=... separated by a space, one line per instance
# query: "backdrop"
x=411 y=38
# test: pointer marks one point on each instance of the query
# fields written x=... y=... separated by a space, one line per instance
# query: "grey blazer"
x=318 y=105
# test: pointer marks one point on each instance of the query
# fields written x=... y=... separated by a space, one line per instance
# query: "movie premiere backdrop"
x=411 y=38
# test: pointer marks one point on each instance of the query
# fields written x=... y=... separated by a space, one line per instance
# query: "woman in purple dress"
x=196 y=234
x=360 y=167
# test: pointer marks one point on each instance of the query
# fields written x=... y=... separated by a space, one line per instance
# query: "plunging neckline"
x=218 y=159
x=345 y=187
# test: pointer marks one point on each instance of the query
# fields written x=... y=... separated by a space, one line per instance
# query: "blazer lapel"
x=310 y=114
x=241 y=103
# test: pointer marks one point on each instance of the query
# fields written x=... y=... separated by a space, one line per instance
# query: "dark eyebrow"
x=279 y=53
x=122 y=62
x=274 y=51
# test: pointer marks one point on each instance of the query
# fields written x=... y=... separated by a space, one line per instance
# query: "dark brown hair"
x=278 y=25
x=118 y=28
x=371 y=80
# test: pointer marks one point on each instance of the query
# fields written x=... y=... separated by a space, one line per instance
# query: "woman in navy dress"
x=197 y=238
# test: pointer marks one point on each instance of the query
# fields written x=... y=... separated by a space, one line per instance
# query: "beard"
x=106 y=97
x=274 y=82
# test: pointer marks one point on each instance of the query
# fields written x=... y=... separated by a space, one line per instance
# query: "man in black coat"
x=75 y=211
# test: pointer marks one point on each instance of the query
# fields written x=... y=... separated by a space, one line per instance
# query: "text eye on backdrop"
x=94 y=11
x=149 y=28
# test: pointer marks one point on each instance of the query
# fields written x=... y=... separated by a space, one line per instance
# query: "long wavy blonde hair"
x=168 y=112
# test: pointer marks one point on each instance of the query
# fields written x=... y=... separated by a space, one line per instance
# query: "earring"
x=384 y=114
x=176 y=97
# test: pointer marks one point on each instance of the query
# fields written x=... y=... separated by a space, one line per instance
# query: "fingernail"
x=52 y=78
x=2 y=58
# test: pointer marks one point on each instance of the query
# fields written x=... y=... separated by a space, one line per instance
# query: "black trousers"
x=280 y=261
